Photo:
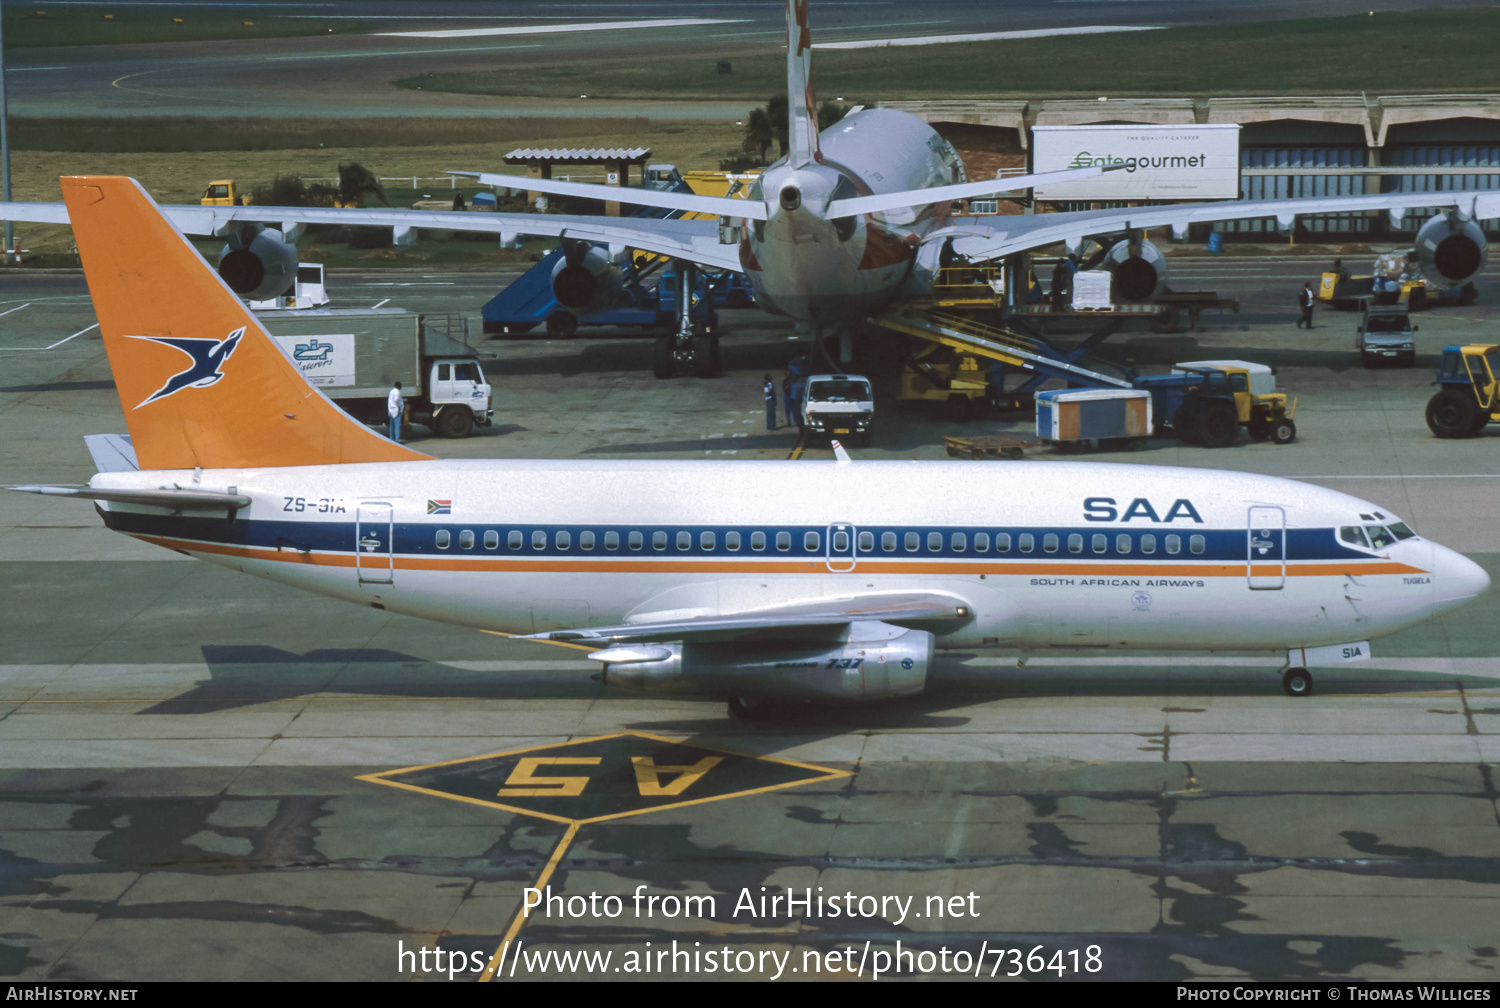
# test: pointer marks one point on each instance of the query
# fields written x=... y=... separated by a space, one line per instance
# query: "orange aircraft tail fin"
x=202 y=384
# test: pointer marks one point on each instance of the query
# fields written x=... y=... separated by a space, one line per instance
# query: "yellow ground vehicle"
x=1470 y=396
x=1207 y=401
x=935 y=373
x=1397 y=279
x=222 y=192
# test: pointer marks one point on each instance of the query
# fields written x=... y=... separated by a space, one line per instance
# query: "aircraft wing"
x=695 y=240
x=887 y=607
x=999 y=236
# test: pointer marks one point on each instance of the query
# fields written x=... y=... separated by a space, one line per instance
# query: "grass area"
x=188 y=133
x=40 y=24
x=1439 y=51
x=181 y=176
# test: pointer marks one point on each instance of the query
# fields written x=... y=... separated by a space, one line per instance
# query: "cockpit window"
x=1375 y=537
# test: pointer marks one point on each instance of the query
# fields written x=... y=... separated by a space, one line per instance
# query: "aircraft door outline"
x=1265 y=548
x=839 y=552
x=374 y=543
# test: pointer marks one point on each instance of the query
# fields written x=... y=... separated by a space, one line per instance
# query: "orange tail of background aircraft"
x=201 y=383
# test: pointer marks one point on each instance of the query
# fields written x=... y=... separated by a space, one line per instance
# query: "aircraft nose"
x=1456 y=580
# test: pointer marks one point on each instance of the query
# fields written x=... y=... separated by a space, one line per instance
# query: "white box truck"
x=355 y=356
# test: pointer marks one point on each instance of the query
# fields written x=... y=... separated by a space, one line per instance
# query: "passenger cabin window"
x=982 y=542
x=934 y=542
x=867 y=542
x=840 y=539
x=466 y=538
x=1122 y=543
x=444 y=537
x=491 y=539
x=538 y=540
x=611 y=540
x=658 y=540
x=1049 y=542
x=586 y=540
x=810 y=541
x=913 y=542
x=960 y=542
x=1174 y=544
x=562 y=540
x=731 y=541
x=783 y=541
x=1101 y=542
x=1148 y=543
x=888 y=541
x=1075 y=542
x=635 y=540
x=706 y=541
x=1197 y=544
x=757 y=541
x=684 y=540
x=1027 y=542
x=513 y=539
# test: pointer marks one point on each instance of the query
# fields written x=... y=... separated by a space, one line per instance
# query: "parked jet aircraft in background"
x=849 y=221
x=745 y=579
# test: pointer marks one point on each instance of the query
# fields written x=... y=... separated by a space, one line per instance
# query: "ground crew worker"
x=1305 y=302
x=770 y=390
x=395 y=407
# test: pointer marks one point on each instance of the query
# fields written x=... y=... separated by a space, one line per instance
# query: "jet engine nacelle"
x=1138 y=273
x=585 y=281
x=257 y=264
x=853 y=670
x=1450 y=250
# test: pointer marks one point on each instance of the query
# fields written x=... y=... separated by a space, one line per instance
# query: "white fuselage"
x=1040 y=554
x=816 y=270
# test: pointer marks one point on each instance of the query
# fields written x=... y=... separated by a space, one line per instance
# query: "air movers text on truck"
x=355 y=356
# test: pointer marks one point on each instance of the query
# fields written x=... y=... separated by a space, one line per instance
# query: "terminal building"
x=1289 y=146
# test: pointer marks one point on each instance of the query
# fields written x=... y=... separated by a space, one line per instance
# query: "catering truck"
x=355 y=356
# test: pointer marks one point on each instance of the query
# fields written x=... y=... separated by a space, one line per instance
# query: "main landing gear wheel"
x=663 y=364
x=748 y=708
x=1296 y=682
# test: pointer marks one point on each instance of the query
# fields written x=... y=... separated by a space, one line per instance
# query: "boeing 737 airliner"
x=748 y=580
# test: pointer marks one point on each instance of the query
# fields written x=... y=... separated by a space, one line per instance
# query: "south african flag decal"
x=439 y=507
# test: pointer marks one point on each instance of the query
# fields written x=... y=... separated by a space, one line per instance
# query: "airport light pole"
x=10 y=228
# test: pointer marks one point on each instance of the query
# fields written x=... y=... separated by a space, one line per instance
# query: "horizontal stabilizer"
x=112 y=452
x=889 y=608
x=175 y=498
x=856 y=205
x=719 y=206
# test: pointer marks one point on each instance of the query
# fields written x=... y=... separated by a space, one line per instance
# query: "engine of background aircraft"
x=584 y=281
x=856 y=670
x=1138 y=273
x=1450 y=249
x=257 y=264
